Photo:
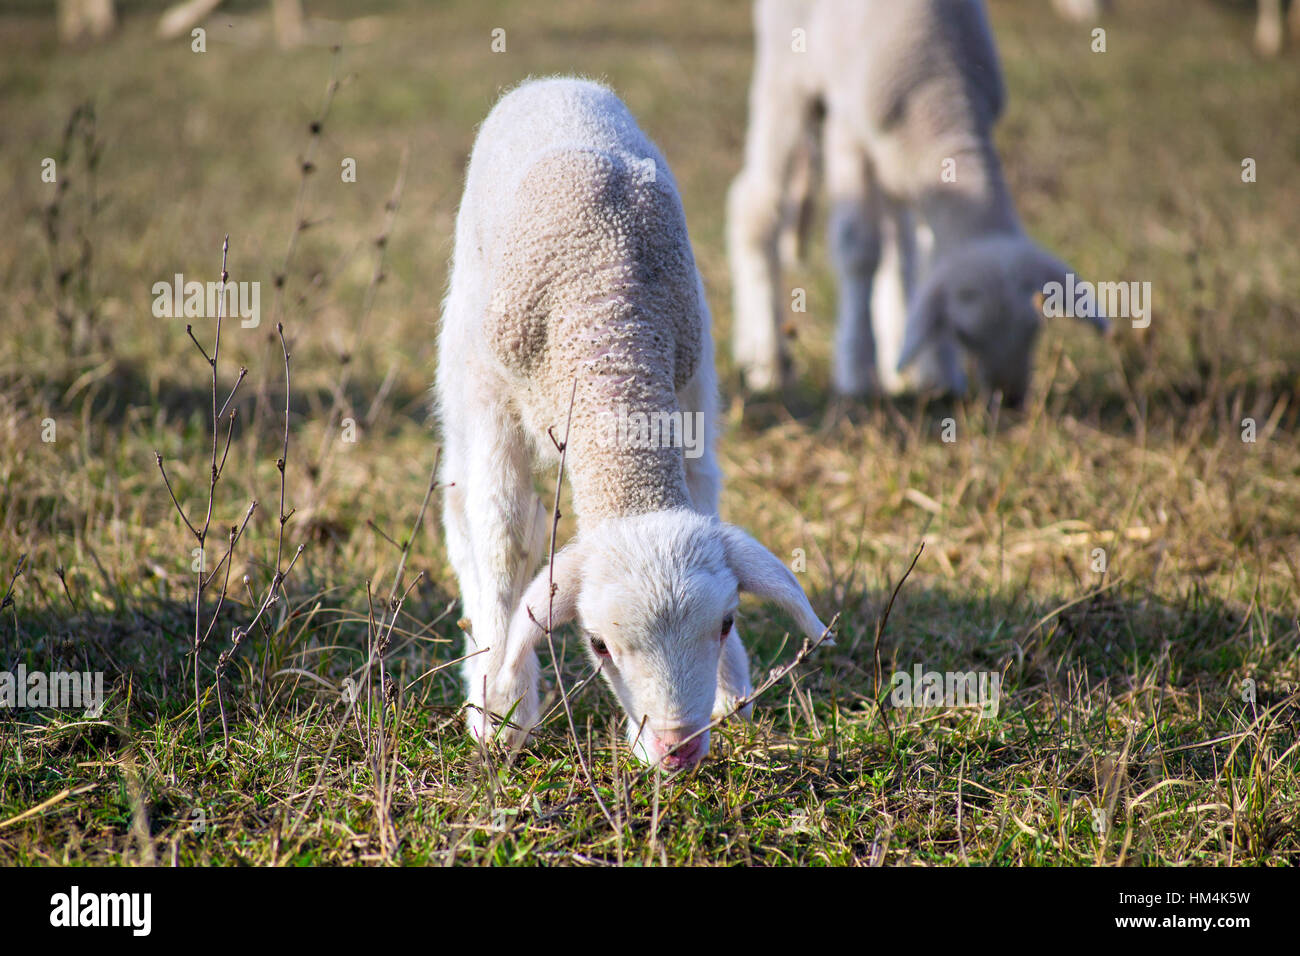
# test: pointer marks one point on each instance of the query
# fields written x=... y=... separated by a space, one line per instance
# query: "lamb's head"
x=987 y=295
x=655 y=596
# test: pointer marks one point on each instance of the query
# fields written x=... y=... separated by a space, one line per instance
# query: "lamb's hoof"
x=1268 y=42
x=761 y=378
x=489 y=731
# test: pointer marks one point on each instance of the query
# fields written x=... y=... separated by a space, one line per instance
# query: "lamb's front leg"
x=854 y=240
x=778 y=124
x=493 y=521
x=891 y=292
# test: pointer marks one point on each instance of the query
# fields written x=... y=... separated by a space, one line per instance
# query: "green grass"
x=1122 y=691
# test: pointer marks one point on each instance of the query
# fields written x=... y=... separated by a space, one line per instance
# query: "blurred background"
x=1128 y=163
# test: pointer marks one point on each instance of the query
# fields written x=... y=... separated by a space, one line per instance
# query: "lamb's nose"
x=676 y=755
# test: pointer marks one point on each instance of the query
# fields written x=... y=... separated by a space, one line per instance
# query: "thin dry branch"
x=214 y=476
x=9 y=591
x=880 y=632
x=563 y=448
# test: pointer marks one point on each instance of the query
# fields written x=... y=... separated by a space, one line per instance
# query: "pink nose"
x=675 y=755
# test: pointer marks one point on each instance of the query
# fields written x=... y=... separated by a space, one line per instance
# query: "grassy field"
x=1149 y=712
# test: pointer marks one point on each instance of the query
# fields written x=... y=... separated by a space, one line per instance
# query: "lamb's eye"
x=726 y=624
x=598 y=645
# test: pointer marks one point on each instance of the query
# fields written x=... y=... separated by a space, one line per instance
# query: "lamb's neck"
x=629 y=436
x=627 y=484
x=974 y=204
x=629 y=457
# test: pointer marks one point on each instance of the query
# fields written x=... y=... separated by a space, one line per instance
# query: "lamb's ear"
x=759 y=572
x=926 y=320
x=526 y=629
x=1043 y=268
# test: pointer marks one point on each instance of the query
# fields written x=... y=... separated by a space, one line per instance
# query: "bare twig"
x=63 y=579
x=9 y=591
x=550 y=607
x=276 y=590
x=214 y=475
x=218 y=456
x=880 y=632
x=179 y=510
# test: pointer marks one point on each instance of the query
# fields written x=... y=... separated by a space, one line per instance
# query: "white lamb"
x=572 y=264
x=906 y=95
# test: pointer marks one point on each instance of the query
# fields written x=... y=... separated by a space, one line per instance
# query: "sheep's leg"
x=855 y=252
x=937 y=367
x=1268 y=28
x=804 y=179
x=753 y=220
x=892 y=291
x=755 y=205
x=495 y=529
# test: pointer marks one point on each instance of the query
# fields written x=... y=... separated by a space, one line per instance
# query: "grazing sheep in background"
x=572 y=264
x=906 y=96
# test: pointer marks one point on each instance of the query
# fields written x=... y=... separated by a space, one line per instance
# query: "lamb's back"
x=921 y=76
x=581 y=239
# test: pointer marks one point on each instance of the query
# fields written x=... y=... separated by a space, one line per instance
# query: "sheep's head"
x=655 y=597
x=987 y=296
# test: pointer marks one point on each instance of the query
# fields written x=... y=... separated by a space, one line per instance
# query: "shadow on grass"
x=1169 y=401
x=111 y=391
x=1110 y=643
x=144 y=646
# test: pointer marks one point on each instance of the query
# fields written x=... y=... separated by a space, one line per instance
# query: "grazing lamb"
x=904 y=96
x=573 y=280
